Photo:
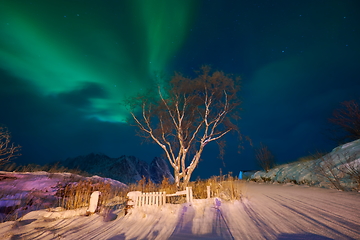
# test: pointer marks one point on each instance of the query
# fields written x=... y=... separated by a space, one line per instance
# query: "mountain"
x=126 y=169
x=159 y=170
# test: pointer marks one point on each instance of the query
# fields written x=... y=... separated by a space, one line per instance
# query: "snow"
x=267 y=211
x=38 y=188
x=271 y=210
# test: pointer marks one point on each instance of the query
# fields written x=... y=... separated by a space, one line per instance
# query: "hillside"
x=338 y=169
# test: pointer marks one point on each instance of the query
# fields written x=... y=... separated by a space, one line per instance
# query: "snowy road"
x=294 y=212
x=267 y=212
x=281 y=212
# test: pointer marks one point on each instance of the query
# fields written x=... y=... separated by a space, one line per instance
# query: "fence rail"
x=138 y=199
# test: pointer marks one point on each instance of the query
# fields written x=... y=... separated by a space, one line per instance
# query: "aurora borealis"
x=62 y=47
x=65 y=67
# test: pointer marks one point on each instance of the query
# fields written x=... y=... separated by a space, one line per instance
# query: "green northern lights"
x=62 y=46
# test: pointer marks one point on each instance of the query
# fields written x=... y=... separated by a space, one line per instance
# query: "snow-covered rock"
x=331 y=170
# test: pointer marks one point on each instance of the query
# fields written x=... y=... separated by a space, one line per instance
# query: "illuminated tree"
x=8 y=150
x=347 y=118
x=186 y=115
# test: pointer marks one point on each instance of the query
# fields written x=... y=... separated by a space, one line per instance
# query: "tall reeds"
x=77 y=195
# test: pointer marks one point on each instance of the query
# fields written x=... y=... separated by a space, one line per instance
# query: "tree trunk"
x=186 y=180
x=176 y=177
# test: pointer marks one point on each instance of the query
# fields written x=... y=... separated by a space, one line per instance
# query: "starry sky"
x=66 y=66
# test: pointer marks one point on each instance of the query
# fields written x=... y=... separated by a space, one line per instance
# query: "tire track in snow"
x=321 y=218
x=305 y=210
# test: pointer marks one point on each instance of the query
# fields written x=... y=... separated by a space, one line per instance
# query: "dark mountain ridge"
x=126 y=169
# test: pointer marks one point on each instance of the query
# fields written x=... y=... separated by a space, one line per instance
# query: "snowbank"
x=22 y=192
x=329 y=171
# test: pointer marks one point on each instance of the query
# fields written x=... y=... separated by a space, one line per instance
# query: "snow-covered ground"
x=267 y=211
x=30 y=191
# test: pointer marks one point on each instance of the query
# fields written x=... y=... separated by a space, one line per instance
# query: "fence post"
x=191 y=195
x=142 y=199
x=208 y=191
x=94 y=200
x=134 y=198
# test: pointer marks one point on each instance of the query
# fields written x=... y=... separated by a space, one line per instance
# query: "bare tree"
x=8 y=150
x=264 y=157
x=187 y=115
x=347 y=118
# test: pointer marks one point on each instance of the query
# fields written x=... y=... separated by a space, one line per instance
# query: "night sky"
x=65 y=67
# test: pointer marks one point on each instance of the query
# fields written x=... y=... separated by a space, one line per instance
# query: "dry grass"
x=75 y=193
x=144 y=185
x=225 y=187
x=313 y=156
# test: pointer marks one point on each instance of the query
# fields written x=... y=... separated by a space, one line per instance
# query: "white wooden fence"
x=138 y=199
x=188 y=192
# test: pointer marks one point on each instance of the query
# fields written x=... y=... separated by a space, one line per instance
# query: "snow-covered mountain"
x=159 y=169
x=126 y=169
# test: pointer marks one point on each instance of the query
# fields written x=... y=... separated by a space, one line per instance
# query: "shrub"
x=264 y=157
x=347 y=119
x=338 y=168
x=8 y=150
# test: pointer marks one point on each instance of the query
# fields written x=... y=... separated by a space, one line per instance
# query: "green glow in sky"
x=64 y=47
